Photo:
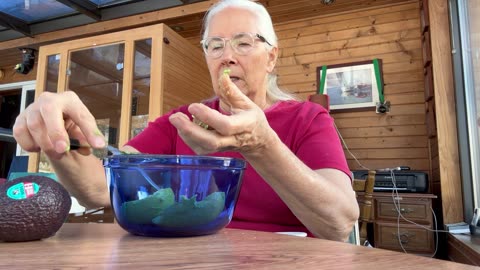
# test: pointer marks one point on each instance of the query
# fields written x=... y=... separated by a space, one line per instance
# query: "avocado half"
x=32 y=208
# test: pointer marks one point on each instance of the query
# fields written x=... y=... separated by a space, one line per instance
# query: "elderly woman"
x=297 y=178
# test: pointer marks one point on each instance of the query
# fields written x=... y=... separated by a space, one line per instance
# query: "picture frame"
x=352 y=86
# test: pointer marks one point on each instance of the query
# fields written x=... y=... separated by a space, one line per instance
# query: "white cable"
x=346 y=147
x=396 y=203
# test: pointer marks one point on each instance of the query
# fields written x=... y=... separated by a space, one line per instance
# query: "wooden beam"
x=85 y=7
x=98 y=67
x=15 y=24
x=110 y=26
x=449 y=159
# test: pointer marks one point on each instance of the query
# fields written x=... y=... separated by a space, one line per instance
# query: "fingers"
x=75 y=132
x=232 y=96
x=79 y=114
x=204 y=141
x=22 y=135
x=223 y=124
x=47 y=122
x=243 y=130
x=201 y=141
x=36 y=127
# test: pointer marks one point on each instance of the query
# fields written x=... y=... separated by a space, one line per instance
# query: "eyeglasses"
x=242 y=44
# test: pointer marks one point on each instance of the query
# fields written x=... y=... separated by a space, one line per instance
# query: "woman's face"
x=248 y=72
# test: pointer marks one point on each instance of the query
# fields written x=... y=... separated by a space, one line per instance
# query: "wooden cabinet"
x=393 y=232
x=125 y=79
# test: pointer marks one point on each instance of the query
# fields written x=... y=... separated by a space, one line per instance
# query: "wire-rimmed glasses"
x=242 y=44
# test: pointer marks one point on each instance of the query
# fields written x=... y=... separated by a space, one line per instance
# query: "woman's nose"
x=228 y=55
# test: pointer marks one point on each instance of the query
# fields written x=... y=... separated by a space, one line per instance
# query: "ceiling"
x=27 y=18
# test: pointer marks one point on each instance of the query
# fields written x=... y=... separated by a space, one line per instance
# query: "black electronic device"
x=405 y=181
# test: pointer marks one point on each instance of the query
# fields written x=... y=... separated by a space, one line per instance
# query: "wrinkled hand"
x=49 y=122
x=246 y=130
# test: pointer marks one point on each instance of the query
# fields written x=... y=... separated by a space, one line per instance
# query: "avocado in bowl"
x=173 y=195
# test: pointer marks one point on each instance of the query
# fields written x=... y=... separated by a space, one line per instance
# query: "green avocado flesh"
x=144 y=210
x=161 y=209
x=32 y=208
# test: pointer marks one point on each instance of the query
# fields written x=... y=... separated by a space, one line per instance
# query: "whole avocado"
x=31 y=208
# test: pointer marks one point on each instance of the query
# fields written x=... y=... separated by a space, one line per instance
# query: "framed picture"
x=349 y=86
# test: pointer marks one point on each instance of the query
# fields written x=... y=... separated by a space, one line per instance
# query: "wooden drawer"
x=414 y=210
x=414 y=239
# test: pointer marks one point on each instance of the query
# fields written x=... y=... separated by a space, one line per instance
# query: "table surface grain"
x=108 y=246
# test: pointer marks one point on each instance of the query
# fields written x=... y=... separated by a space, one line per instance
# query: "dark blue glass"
x=168 y=195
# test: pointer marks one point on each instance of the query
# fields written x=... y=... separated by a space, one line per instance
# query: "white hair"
x=265 y=28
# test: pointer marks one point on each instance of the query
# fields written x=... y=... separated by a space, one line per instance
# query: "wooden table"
x=101 y=246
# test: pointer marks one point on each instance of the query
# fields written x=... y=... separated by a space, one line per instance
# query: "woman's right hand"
x=49 y=122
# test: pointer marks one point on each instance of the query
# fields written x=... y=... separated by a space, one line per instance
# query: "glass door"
x=110 y=74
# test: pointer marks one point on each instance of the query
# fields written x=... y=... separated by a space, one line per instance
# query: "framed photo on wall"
x=350 y=86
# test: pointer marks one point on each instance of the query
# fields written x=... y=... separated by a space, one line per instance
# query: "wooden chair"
x=364 y=188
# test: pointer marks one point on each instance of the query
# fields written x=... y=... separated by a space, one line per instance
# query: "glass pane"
x=35 y=10
x=141 y=86
x=96 y=75
x=53 y=64
x=473 y=7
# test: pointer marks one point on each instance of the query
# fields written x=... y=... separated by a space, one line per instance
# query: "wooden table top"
x=99 y=246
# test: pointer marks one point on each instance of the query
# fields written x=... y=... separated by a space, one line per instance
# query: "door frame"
x=25 y=86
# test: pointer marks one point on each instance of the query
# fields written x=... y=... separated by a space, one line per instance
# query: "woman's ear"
x=272 y=59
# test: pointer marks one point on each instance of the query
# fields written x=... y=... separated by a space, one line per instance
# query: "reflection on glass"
x=141 y=86
x=53 y=62
x=35 y=10
x=96 y=75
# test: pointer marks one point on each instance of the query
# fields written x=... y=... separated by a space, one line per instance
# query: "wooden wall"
x=391 y=33
x=10 y=76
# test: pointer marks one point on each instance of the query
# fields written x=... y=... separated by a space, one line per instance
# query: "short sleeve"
x=320 y=146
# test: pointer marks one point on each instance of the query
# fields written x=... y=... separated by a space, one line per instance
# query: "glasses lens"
x=214 y=46
x=242 y=43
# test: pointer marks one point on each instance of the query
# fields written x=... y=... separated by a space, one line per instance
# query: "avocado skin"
x=34 y=218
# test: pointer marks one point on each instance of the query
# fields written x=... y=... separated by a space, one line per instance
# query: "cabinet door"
x=111 y=75
x=96 y=76
x=406 y=237
x=417 y=210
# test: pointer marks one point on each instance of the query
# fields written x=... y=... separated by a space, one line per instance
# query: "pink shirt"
x=305 y=128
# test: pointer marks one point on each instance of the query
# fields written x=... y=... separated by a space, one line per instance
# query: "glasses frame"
x=254 y=36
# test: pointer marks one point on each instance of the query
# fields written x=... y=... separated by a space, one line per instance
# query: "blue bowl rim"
x=124 y=160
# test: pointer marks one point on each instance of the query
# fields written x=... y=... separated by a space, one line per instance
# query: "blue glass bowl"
x=168 y=195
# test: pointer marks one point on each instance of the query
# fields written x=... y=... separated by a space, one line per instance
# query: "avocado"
x=32 y=208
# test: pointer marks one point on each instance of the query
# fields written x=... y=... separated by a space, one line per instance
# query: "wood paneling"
x=187 y=20
x=179 y=62
x=444 y=96
x=11 y=76
x=391 y=33
x=311 y=34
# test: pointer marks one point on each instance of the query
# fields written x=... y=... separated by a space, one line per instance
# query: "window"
x=465 y=18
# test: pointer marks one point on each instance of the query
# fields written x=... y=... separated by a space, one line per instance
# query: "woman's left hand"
x=246 y=130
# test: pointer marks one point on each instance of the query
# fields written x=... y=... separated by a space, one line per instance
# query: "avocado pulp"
x=161 y=209
x=31 y=208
